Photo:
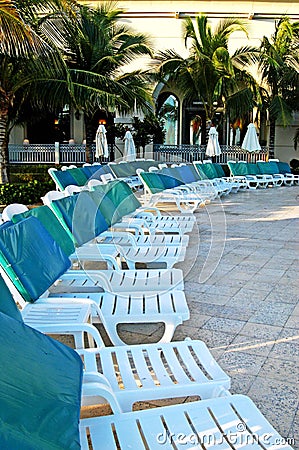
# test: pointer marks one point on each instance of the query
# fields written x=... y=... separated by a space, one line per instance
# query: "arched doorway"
x=194 y=123
x=168 y=111
x=52 y=127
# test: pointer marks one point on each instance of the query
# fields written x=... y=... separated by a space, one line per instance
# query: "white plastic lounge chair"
x=187 y=174
x=223 y=423
x=264 y=180
x=149 y=220
x=115 y=280
x=155 y=192
x=153 y=256
x=151 y=215
x=139 y=225
x=270 y=169
x=220 y=188
x=136 y=372
x=207 y=424
x=145 y=372
x=239 y=170
x=186 y=367
x=71 y=317
x=125 y=172
x=227 y=182
x=284 y=169
x=38 y=262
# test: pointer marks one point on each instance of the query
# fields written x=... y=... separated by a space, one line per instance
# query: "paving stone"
x=247 y=308
x=260 y=347
x=223 y=324
x=241 y=362
x=210 y=299
x=240 y=383
x=261 y=331
x=250 y=295
x=275 y=400
x=280 y=369
x=272 y=313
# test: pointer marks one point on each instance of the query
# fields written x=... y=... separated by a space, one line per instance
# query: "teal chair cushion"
x=153 y=182
x=81 y=215
x=79 y=175
x=169 y=182
x=209 y=170
x=201 y=172
x=105 y=205
x=63 y=178
x=241 y=169
x=122 y=170
x=33 y=256
x=124 y=200
x=268 y=168
x=187 y=174
x=40 y=390
x=233 y=168
x=253 y=169
x=283 y=167
x=7 y=304
x=173 y=177
x=49 y=220
x=219 y=170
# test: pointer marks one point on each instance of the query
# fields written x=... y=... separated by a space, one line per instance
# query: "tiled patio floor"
x=241 y=283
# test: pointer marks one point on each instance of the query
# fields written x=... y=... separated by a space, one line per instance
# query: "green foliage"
x=294 y=164
x=279 y=66
x=210 y=73
x=25 y=173
x=28 y=193
x=145 y=131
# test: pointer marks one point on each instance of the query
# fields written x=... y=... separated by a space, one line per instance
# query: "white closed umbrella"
x=251 y=142
x=130 y=150
x=213 y=147
x=101 y=142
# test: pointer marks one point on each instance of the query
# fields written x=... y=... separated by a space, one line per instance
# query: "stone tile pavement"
x=242 y=287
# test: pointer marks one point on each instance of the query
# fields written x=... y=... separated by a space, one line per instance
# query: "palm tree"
x=98 y=49
x=26 y=62
x=279 y=66
x=210 y=74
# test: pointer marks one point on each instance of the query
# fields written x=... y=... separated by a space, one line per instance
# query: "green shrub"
x=28 y=193
x=22 y=173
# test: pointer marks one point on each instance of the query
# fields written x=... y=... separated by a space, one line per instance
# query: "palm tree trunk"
x=89 y=140
x=3 y=149
x=272 y=138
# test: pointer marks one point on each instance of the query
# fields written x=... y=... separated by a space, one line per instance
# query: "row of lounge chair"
x=193 y=185
x=79 y=176
x=45 y=383
x=190 y=186
x=272 y=173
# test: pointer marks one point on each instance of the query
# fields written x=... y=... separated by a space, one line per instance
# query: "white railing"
x=76 y=154
x=50 y=153
x=189 y=153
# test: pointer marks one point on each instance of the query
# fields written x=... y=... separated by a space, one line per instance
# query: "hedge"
x=27 y=193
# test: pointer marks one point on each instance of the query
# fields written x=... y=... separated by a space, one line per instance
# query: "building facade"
x=162 y=21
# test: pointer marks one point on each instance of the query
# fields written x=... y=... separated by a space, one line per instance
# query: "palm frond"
x=240 y=103
x=280 y=111
x=17 y=38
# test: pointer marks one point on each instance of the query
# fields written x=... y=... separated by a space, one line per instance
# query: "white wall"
x=284 y=144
